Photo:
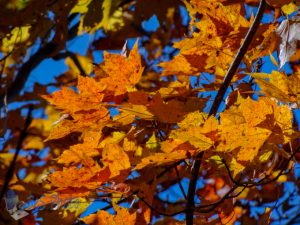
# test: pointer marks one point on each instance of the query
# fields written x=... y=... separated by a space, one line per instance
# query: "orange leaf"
x=118 y=73
x=117 y=160
x=122 y=217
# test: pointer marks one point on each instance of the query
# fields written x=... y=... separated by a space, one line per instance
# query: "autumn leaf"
x=122 y=217
x=60 y=197
x=217 y=23
x=174 y=110
x=159 y=159
x=89 y=175
x=117 y=160
x=280 y=86
x=253 y=129
x=197 y=129
x=84 y=107
x=119 y=73
x=80 y=152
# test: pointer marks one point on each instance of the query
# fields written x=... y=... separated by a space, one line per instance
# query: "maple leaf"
x=122 y=217
x=85 y=107
x=90 y=176
x=280 y=86
x=253 y=129
x=117 y=160
x=159 y=159
x=60 y=197
x=219 y=24
x=80 y=152
x=173 y=111
x=119 y=73
x=196 y=129
x=130 y=133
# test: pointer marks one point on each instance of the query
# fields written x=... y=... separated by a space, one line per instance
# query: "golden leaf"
x=117 y=160
x=280 y=86
x=197 y=129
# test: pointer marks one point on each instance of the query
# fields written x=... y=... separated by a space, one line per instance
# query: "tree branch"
x=159 y=212
x=179 y=183
x=216 y=104
x=74 y=59
x=11 y=168
x=44 y=52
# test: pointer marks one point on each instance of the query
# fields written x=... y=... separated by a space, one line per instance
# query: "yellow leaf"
x=140 y=111
x=81 y=6
x=152 y=142
x=34 y=142
x=219 y=37
x=17 y=35
x=254 y=123
x=280 y=86
x=76 y=206
x=197 y=129
x=289 y=8
x=115 y=138
x=85 y=62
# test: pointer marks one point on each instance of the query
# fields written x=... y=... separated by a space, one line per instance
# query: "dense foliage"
x=174 y=112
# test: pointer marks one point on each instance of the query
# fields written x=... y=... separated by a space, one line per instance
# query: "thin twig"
x=149 y=182
x=216 y=104
x=11 y=168
x=179 y=183
x=159 y=212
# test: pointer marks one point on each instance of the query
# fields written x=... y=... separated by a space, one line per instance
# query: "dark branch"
x=215 y=106
x=11 y=168
x=161 y=213
x=263 y=181
x=179 y=183
x=44 y=52
x=149 y=182
x=210 y=207
x=74 y=59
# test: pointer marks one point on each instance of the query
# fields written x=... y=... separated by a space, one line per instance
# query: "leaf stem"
x=216 y=104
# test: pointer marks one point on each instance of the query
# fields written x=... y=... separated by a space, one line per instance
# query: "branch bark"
x=11 y=168
x=216 y=104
